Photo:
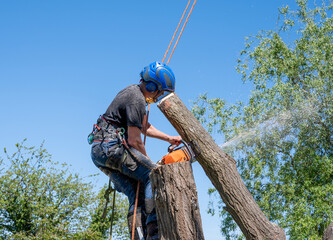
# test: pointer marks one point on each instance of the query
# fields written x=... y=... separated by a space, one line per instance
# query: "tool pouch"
x=128 y=161
x=114 y=151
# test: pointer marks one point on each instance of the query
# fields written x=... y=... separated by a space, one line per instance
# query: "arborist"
x=118 y=149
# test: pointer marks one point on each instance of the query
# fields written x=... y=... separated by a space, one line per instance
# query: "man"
x=118 y=149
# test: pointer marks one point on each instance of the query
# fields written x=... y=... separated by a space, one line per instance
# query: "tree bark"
x=221 y=169
x=328 y=234
x=176 y=202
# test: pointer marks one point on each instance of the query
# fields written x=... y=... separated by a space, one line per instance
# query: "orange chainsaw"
x=184 y=152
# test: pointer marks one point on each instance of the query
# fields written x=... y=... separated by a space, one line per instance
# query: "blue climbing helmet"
x=158 y=76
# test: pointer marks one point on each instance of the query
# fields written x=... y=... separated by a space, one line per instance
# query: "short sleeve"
x=135 y=114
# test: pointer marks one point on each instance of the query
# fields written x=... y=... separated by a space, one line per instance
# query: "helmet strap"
x=150 y=100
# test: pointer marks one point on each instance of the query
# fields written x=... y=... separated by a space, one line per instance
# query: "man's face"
x=160 y=94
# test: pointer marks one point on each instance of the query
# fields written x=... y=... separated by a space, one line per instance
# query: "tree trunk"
x=222 y=171
x=328 y=234
x=176 y=202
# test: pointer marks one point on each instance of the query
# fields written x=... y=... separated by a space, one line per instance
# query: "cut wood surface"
x=222 y=171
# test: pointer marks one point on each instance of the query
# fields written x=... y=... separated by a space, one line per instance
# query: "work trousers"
x=125 y=168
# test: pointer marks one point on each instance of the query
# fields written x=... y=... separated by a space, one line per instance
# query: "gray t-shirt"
x=128 y=108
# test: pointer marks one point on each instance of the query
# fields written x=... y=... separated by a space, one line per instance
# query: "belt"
x=108 y=131
x=110 y=122
x=96 y=141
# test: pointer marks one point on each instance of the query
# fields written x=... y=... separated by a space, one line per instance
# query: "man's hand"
x=174 y=140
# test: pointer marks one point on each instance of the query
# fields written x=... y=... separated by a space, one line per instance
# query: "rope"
x=135 y=208
x=138 y=185
x=145 y=131
x=107 y=198
x=174 y=47
x=112 y=216
x=176 y=31
x=181 y=32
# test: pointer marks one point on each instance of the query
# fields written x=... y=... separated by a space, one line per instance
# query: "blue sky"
x=62 y=62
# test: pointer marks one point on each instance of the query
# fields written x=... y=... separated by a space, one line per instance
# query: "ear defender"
x=151 y=87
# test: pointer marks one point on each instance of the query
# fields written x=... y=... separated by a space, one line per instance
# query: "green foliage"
x=282 y=138
x=41 y=199
x=102 y=226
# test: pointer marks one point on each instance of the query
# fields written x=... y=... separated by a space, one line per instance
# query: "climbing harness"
x=104 y=131
x=90 y=137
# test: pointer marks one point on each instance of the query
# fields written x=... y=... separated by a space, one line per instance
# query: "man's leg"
x=138 y=167
x=128 y=186
x=124 y=184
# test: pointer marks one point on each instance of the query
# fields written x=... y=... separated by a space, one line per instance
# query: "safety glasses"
x=160 y=95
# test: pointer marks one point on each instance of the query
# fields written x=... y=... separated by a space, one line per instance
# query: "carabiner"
x=121 y=131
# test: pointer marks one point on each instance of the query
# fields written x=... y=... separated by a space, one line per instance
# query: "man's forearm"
x=135 y=141
x=140 y=147
x=155 y=133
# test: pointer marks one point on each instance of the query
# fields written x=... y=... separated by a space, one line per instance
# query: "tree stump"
x=176 y=202
x=222 y=171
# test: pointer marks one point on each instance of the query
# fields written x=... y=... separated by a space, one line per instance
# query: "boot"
x=152 y=231
x=139 y=228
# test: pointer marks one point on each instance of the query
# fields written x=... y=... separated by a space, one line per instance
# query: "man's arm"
x=155 y=133
x=135 y=140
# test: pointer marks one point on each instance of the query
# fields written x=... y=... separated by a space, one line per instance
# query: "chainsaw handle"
x=172 y=147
